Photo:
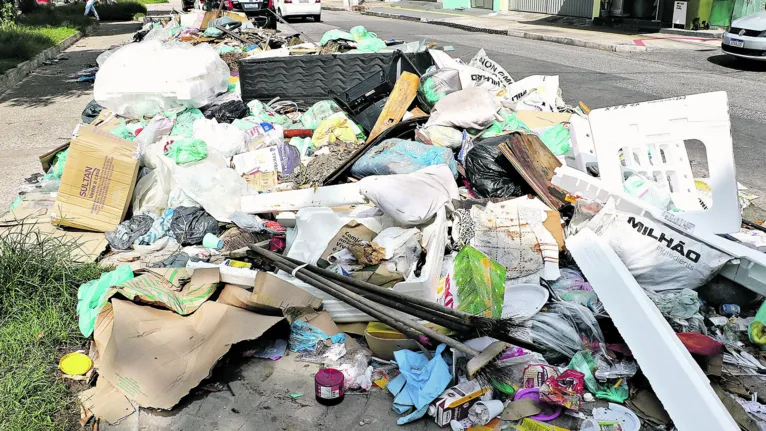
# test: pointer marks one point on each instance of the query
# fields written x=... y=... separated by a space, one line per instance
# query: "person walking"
x=90 y=5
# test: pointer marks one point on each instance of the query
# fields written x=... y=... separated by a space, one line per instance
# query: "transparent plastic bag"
x=441 y=136
x=222 y=137
x=398 y=156
x=144 y=79
x=436 y=84
x=187 y=150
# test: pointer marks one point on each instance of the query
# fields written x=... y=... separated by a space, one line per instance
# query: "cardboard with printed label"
x=97 y=183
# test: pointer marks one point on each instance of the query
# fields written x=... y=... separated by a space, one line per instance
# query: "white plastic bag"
x=470 y=108
x=151 y=192
x=402 y=249
x=411 y=199
x=212 y=184
x=222 y=137
x=147 y=78
x=533 y=93
x=659 y=257
x=441 y=136
x=158 y=127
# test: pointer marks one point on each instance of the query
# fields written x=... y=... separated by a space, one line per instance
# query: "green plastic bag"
x=317 y=113
x=184 y=125
x=57 y=168
x=335 y=34
x=756 y=331
x=480 y=283
x=556 y=138
x=585 y=363
x=359 y=33
x=187 y=150
x=510 y=123
x=266 y=115
x=90 y=296
x=304 y=146
x=370 y=45
x=123 y=132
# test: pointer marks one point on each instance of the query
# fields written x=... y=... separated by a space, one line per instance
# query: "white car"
x=300 y=8
x=746 y=38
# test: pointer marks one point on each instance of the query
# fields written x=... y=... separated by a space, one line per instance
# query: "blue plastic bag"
x=421 y=381
x=304 y=337
x=398 y=156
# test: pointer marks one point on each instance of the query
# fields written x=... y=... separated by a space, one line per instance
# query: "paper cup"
x=212 y=241
x=484 y=411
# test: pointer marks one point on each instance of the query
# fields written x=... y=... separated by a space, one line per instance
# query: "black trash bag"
x=228 y=111
x=90 y=112
x=128 y=232
x=190 y=224
x=490 y=174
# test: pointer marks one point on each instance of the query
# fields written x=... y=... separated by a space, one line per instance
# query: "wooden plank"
x=536 y=164
x=417 y=112
x=404 y=92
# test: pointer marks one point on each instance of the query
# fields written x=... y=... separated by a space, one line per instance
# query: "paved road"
x=602 y=79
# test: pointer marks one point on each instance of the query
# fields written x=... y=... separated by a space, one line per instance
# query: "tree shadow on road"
x=53 y=83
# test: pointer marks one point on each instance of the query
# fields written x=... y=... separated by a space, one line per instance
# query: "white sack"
x=659 y=257
x=441 y=136
x=482 y=61
x=471 y=108
x=145 y=79
x=411 y=199
x=470 y=76
x=533 y=93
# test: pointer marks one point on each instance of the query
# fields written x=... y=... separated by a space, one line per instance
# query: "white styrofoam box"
x=315 y=227
x=651 y=138
x=748 y=266
x=582 y=142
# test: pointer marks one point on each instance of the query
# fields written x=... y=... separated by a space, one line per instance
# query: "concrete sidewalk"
x=39 y=113
x=558 y=29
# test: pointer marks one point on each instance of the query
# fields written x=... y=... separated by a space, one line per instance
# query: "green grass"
x=20 y=42
x=38 y=324
x=152 y=1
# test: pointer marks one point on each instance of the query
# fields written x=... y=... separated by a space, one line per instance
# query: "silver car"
x=746 y=38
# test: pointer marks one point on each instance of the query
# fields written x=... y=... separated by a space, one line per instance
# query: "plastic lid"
x=75 y=364
x=549 y=411
x=329 y=377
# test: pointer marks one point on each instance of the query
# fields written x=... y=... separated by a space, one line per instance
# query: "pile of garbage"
x=518 y=263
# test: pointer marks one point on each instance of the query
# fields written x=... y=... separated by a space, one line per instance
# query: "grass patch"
x=152 y=1
x=38 y=324
x=19 y=43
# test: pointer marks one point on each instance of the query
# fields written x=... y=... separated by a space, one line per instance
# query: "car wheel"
x=318 y=18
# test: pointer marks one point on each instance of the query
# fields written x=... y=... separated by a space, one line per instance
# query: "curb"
x=692 y=33
x=515 y=33
x=18 y=73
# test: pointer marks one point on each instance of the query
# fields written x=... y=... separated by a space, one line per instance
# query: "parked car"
x=261 y=12
x=300 y=8
x=746 y=38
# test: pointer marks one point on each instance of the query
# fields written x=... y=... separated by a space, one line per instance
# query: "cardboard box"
x=454 y=403
x=97 y=183
x=270 y=294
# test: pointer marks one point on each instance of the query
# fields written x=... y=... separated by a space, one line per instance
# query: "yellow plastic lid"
x=75 y=364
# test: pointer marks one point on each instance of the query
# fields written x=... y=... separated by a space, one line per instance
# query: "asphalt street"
x=602 y=79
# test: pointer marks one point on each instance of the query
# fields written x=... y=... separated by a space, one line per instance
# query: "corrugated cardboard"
x=155 y=357
x=536 y=119
x=350 y=234
x=33 y=215
x=97 y=183
x=106 y=402
x=270 y=294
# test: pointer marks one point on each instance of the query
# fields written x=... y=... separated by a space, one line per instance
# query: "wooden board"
x=536 y=164
x=404 y=92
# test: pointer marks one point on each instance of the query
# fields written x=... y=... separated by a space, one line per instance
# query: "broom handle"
x=400 y=323
x=399 y=306
x=390 y=293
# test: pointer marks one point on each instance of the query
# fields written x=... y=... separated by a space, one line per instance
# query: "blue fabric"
x=397 y=156
x=421 y=381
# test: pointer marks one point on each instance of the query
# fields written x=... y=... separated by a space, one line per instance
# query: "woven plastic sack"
x=398 y=156
x=437 y=83
x=187 y=150
x=480 y=283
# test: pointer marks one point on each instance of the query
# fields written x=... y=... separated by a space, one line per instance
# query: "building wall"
x=581 y=8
